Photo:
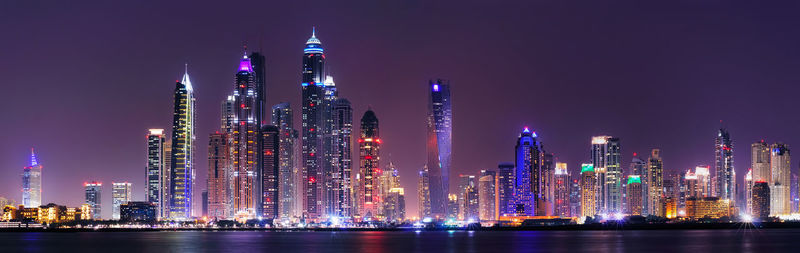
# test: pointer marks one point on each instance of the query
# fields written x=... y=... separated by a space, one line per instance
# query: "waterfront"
x=728 y=240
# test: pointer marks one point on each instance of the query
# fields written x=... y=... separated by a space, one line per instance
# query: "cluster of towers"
x=260 y=166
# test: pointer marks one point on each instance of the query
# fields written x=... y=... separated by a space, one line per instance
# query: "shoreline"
x=587 y=227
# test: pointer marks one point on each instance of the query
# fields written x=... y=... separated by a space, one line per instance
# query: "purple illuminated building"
x=439 y=145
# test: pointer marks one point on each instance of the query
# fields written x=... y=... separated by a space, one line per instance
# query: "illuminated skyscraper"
x=314 y=123
x=526 y=176
x=439 y=144
x=761 y=200
x=780 y=194
x=467 y=193
x=120 y=195
x=395 y=205
x=423 y=193
x=219 y=175
x=748 y=184
x=32 y=183
x=156 y=167
x=369 y=154
x=270 y=169
x=639 y=167
x=487 y=195
x=634 y=195
x=245 y=142
x=182 y=151
x=760 y=161
x=655 y=184
x=726 y=177
x=340 y=196
x=544 y=202
x=389 y=179
x=282 y=118
x=561 y=188
x=93 y=192
x=606 y=160
x=505 y=188
x=588 y=190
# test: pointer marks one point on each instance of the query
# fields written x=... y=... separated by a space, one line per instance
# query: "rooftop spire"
x=185 y=80
x=313 y=39
x=33 y=158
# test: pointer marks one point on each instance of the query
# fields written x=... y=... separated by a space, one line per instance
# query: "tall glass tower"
x=282 y=118
x=155 y=168
x=93 y=193
x=439 y=144
x=32 y=183
x=527 y=163
x=369 y=151
x=245 y=135
x=340 y=201
x=314 y=123
x=726 y=177
x=182 y=152
x=606 y=160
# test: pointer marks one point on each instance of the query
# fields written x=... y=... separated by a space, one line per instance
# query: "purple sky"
x=82 y=82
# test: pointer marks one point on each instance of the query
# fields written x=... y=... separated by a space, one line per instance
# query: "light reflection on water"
x=745 y=239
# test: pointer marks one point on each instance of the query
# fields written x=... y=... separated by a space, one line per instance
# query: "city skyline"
x=686 y=142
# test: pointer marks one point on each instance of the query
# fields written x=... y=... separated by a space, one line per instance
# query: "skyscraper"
x=467 y=193
x=761 y=200
x=780 y=194
x=726 y=179
x=395 y=205
x=282 y=118
x=423 y=192
x=634 y=196
x=314 y=123
x=487 y=195
x=655 y=184
x=245 y=144
x=93 y=192
x=155 y=169
x=120 y=195
x=544 y=203
x=439 y=144
x=639 y=167
x=389 y=180
x=32 y=183
x=760 y=161
x=527 y=166
x=505 y=188
x=340 y=201
x=561 y=182
x=606 y=161
x=270 y=169
x=369 y=157
x=182 y=151
x=748 y=182
x=219 y=175
x=588 y=190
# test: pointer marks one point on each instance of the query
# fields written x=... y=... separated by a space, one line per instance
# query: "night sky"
x=83 y=81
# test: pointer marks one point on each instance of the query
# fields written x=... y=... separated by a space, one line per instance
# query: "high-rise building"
x=634 y=195
x=606 y=160
x=182 y=151
x=505 y=188
x=748 y=183
x=780 y=194
x=219 y=175
x=544 y=204
x=703 y=181
x=452 y=207
x=588 y=187
x=655 y=184
x=166 y=181
x=439 y=144
x=314 y=123
x=726 y=177
x=575 y=196
x=339 y=198
x=369 y=157
x=639 y=167
x=395 y=205
x=93 y=192
x=156 y=167
x=423 y=193
x=282 y=118
x=760 y=161
x=561 y=190
x=389 y=180
x=467 y=193
x=32 y=183
x=761 y=200
x=487 y=195
x=270 y=169
x=120 y=194
x=526 y=174
x=245 y=142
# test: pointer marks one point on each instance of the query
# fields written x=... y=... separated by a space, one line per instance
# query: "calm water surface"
x=695 y=241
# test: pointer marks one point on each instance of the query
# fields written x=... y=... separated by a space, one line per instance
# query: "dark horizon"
x=84 y=81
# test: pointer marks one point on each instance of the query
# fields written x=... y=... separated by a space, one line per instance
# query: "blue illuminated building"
x=527 y=162
x=439 y=145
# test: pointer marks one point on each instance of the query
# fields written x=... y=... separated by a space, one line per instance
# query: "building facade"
x=182 y=151
x=726 y=176
x=156 y=169
x=93 y=193
x=655 y=184
x=32 y=183
x=526 y=173
x=120 y=194
x=780 y=195
x=369 y=144
x=487 y=195
x=439 y=144
x=588 y=186
x=606 y=160
x=282 y=117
